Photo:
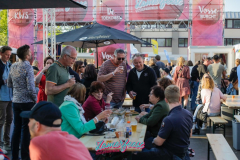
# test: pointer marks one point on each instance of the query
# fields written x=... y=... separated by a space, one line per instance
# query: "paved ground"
x=199 y=144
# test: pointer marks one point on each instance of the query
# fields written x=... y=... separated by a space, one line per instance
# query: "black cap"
x=216 y=57
x=166 y=70
x=208 y=58
x=45 y=113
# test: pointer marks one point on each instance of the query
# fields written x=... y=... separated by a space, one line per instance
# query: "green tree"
x=3 y=28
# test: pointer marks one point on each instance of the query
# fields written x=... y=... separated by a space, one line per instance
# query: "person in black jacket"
x=155 y=68
x=140 y=80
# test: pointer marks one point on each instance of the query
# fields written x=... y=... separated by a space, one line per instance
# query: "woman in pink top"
x=181 y=77
x=211 y=97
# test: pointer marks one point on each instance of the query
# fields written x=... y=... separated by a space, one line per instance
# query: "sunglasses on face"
x=121 y=59
x=82 y=67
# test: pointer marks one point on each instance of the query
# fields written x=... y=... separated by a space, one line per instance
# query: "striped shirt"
x=116 y=84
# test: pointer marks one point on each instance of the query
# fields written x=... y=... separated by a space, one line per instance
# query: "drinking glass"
x=134 y=126
x=108 y=107
x=132 y=109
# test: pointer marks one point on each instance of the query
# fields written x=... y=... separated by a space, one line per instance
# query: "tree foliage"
x=3 y=28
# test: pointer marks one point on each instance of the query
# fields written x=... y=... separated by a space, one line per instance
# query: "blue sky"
x=232 y=5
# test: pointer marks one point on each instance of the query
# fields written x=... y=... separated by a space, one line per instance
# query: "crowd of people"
x=57 y=105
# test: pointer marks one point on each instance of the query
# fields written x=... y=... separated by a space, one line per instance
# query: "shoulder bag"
x=202 y=116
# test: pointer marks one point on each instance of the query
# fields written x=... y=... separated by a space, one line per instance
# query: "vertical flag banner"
x=21 y=28
x=207 y=23
x=154 y=46
x=133 y=50
x=110 y=13
x=167 y=56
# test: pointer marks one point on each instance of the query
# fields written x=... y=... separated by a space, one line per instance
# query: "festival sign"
x=110 y=13
x=207 y=27
x=72 y=14
x=20 y=28
x=158 y=9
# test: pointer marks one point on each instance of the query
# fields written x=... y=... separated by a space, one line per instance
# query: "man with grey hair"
x=58 y=79
x=113 y=74
x=140 y=81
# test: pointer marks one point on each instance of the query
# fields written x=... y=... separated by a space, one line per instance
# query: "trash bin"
x=236 y=134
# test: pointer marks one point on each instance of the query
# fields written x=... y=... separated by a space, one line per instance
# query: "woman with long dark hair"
x=89 y=76
x=79 y=68
x=40 y=79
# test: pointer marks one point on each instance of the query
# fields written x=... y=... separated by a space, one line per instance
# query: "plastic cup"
x=134 y=96
x=233 y=96
x=122 y=69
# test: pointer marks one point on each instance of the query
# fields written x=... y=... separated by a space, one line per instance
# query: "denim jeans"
x=6 y=120
x=21 y=124
x=195 y=113
x=116 y=105
x=209 y=115
x=194 y=95
x=154 y=153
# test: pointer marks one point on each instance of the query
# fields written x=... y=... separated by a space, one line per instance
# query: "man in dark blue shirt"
x=174 y=134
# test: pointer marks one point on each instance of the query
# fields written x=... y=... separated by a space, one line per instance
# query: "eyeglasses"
x=82 y=67
x=71 y=57
x=121 y=59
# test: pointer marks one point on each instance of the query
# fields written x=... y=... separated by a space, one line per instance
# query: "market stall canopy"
x=25 y=4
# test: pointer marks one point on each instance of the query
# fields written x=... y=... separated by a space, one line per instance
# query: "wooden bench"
x=218 y=122
x=220 y=147
x=237 y=117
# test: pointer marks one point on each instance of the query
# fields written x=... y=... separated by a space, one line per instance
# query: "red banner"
x=110 y=13
x=20 y=28
x=72 y=14
x=207 y=27
x=158 y=9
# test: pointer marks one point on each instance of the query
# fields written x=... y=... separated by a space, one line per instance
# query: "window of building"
x=231 y=41
x=183 y=42
x=148 y=40
x=232 y=23
x=162 y=42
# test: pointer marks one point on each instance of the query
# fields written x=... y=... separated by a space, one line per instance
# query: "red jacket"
x=93 y=107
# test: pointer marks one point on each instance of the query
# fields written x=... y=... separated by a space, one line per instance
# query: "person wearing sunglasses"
x=113 y=74
x=79 y=68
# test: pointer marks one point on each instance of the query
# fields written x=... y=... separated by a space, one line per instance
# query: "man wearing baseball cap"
x=47 y=139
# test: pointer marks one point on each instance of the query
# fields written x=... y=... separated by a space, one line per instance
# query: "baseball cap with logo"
x=45 y=113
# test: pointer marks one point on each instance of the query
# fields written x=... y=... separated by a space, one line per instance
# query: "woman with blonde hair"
x=74 y=121
x=211 y=99
x=181 y=78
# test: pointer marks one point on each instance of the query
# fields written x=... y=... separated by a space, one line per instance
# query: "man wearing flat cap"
x=47 y=139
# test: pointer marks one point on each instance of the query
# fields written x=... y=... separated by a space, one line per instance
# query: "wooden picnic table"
x=220 y=147
x=233 y=103
x=138 y=136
